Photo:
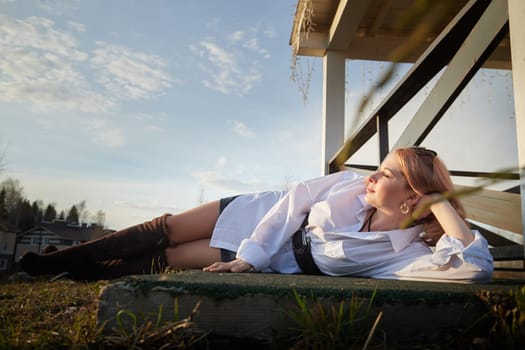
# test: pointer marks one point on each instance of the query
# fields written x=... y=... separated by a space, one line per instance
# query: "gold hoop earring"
x=404 y=208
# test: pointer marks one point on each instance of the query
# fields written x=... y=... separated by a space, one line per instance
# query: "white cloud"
x=38 y=67
x=129 y=74
x=225 y=77
x=215 y=180
x=269 y=33
x=249 y=41
x=221 y=162
x=38 y=33
x=43 y=67
x=57 y=7
x=105 y=135
x=109 y=137
x=79 y=27
x=232 y=64
x=237 y=36
x=253 y=45
x=149 y=206
x=241 y=129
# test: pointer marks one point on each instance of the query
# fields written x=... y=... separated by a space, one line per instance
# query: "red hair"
x=425 y=174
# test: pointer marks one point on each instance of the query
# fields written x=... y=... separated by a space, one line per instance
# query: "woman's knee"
x=194 y=224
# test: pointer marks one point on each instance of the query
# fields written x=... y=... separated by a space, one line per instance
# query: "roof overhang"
x=369 y=29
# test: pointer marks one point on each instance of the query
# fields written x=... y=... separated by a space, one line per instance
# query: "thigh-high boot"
x=111 y=269
x=132 y=242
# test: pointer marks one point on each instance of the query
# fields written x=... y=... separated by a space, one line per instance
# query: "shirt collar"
x=399 y=238
x=365 y=205
x=403 y=237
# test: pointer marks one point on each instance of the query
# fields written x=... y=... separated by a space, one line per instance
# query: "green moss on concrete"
x=232 y=285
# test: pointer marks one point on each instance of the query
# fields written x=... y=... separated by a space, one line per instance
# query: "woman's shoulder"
x=340 y=176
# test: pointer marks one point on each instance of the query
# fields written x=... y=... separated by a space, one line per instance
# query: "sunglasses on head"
x=422 y=151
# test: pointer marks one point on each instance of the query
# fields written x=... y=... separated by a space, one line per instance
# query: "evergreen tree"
x=13 y=199
x=72 y=216
x=4 y=214
x=24 y=214
x=27 y=217
x=50 y=214
x=38 y=214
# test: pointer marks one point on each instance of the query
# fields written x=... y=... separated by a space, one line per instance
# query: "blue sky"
x=142 y=107
x=146 y=107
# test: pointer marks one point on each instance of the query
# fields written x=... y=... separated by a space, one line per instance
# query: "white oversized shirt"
x=259 y=228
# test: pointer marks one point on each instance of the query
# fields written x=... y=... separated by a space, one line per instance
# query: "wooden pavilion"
x=454 y=38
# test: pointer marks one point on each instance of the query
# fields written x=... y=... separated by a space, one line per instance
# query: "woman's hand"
x=422 y=209
x=446 y=215
x=237 y=265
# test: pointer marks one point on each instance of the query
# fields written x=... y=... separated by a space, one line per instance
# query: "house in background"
x=59 y=234
x=8 y=233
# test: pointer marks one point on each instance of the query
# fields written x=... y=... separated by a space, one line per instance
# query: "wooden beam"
x=478 y=46
x=513 y=252
x=462 y=173
x=494 y=208
x=385 y=6
x=494 y=239
x=314 y=46
x=517 y=42
x=428 y=65
x=382 y=127
x=346 y=20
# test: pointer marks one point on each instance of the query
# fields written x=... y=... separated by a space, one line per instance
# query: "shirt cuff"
x=449 y=246
x=253 y=254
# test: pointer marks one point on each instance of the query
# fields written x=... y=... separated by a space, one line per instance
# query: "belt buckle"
x=304 y=243
x=306 y=240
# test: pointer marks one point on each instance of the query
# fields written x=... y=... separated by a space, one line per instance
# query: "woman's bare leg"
x=192 y=255
x=194 y=224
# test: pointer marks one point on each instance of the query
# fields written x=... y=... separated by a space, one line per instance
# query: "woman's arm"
x=447 y=216
x=281 y=222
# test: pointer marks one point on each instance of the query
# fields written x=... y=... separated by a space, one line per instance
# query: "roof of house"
x=65 y=230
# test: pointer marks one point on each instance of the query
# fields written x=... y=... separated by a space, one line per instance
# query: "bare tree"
x=100 y=218
x=83 y=213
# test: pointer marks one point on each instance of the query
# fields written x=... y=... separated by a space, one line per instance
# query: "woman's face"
x=387 y=188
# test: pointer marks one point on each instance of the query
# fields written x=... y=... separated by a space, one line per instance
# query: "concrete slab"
x=258 y=306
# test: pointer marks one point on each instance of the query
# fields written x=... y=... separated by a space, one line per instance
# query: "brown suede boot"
x=130 y=243
x=111 y=269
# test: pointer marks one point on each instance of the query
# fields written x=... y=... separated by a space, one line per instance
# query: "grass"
x=39 y=314
x=62 y=315
x=344 y=327
x=42 y=315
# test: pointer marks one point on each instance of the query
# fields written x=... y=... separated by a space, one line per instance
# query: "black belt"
x=302 y=252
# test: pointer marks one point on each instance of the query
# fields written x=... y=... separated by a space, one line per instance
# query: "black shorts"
x=226 y=255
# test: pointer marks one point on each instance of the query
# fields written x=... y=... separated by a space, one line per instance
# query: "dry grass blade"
x=179 y=334
x=372 y=330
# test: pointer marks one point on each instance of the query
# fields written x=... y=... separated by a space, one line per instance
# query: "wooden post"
x=517 y=45
x=333 y=106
